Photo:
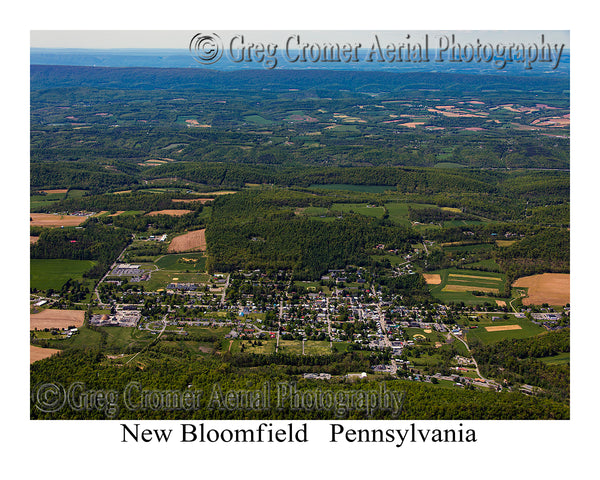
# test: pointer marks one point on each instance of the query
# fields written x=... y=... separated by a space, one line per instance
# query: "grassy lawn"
x=53 y=273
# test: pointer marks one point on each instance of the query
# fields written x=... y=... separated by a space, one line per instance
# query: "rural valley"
x=335 y=230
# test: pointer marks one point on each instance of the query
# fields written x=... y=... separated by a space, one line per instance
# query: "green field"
x=132 y=212
x=528 y=329
x=36 y=201
x=53 y=273
x=477 y=247
x=398 y=212
x=315 y=211
x=178 y=263
x=257 y=119
x=129 y=339
x=467 y=279
x=448 y=164
x=75 y=193
x=432 y=337
x=361 y=208
x=560 y=359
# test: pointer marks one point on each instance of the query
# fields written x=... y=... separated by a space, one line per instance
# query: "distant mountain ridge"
x=182 y=58
x=142 y=78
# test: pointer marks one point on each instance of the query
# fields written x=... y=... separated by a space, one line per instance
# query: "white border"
x=92 y=449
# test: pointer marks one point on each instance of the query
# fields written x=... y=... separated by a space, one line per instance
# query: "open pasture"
x=53 y=273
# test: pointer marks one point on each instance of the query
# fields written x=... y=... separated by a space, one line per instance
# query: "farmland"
x=55 y=220
x=56 y=319
x=38 y=353
x=458 y=285
x=188 y=242
x=53 y=273
x=550 y=288
x=304 y=224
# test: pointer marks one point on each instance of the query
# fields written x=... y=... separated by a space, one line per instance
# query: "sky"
x=167 y=39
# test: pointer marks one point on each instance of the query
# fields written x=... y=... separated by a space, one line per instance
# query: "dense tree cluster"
x=94 y=242
x=517 y=361
x=164 y=370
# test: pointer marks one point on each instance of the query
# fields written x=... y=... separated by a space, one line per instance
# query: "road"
x=328 y=322
x=225 y=290
x=490 y=383
x=164 y=320
x=279 y=324
x=100 y=304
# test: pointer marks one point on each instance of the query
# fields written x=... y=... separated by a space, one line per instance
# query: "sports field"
x=503 y=328
x=489 y=331
x=193 y=262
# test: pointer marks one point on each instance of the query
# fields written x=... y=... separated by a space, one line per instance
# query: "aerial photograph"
x=300 y=225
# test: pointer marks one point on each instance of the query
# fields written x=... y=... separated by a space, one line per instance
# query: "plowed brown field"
x=188 y=242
